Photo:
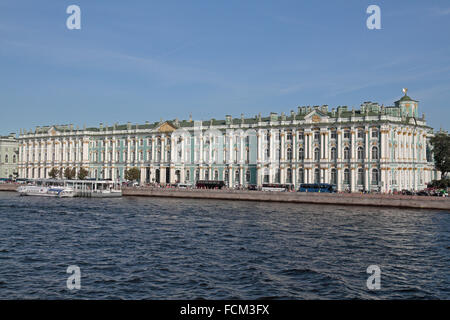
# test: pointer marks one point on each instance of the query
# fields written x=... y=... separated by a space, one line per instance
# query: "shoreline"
x=350 y=199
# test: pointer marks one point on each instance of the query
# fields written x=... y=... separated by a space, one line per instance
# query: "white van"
x=184 y=185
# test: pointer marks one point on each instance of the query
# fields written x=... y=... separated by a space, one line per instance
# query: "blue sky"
x=145 y=60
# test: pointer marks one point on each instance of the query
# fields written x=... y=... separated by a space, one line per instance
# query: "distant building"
x=375 y=148
x=9 y=156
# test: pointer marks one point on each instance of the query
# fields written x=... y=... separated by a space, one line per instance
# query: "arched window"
x=197 y=175
x=316 y=176
x=333 y=176
x=346 y=153
x=316 y=154
x=360 y=153
x=333 y=154
x=346 y=176
x=375 y=176
x=206 y=174
x=6 y=159
x=289 y=154
x=301 y=176
x=288 y=175
x=360 y=176
x=216 y=175
x=188 y=175
x=375 y=153
x=301 y=154
x=237 y=177
x=227 y=176
x=247 y=176
x=14 y=158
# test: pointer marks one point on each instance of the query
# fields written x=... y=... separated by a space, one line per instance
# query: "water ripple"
x=149 y=248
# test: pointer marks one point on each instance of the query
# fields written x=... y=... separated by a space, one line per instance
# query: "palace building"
x=9 y=156
x=376 y=148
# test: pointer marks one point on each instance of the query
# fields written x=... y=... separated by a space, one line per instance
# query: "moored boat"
x=95 y=188
x=72 y=188
x=46 y=191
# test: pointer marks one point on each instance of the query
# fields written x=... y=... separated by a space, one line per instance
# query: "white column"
x=163 y=151
x=339 y=136
x=353 y=144
x=366 y=144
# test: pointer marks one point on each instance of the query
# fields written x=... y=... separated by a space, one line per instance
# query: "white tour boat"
x=46 y=191
x=72 y=188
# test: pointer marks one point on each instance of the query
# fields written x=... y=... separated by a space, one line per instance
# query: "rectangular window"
x=289 y=136
x=316 y=135
x=360 y=134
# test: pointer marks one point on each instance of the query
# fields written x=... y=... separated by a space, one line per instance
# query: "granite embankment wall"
x=373 y=200
x=8 y=187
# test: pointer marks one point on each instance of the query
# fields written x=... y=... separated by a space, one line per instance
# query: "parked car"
x=184 y=185
x=423 y=193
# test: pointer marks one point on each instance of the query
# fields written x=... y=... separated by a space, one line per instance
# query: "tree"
x=69 y=173
x=132 y=174
x=53 y=173
x=441 y=152
x=82 y=174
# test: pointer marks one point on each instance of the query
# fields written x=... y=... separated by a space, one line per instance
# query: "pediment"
x=316 y=116
x=166 y=127
x=52 y=131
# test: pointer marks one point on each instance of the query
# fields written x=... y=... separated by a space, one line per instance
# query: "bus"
x=317 y=187
x=210 y=184
x=276 y=187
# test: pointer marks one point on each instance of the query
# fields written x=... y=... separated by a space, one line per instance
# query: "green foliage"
x=440 y=184
x=54 y=173
x=69 y=173
x=82 y=174
x=441 y=152
x=133 y=174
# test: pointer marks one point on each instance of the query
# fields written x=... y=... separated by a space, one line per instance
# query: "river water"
x=157 y=248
